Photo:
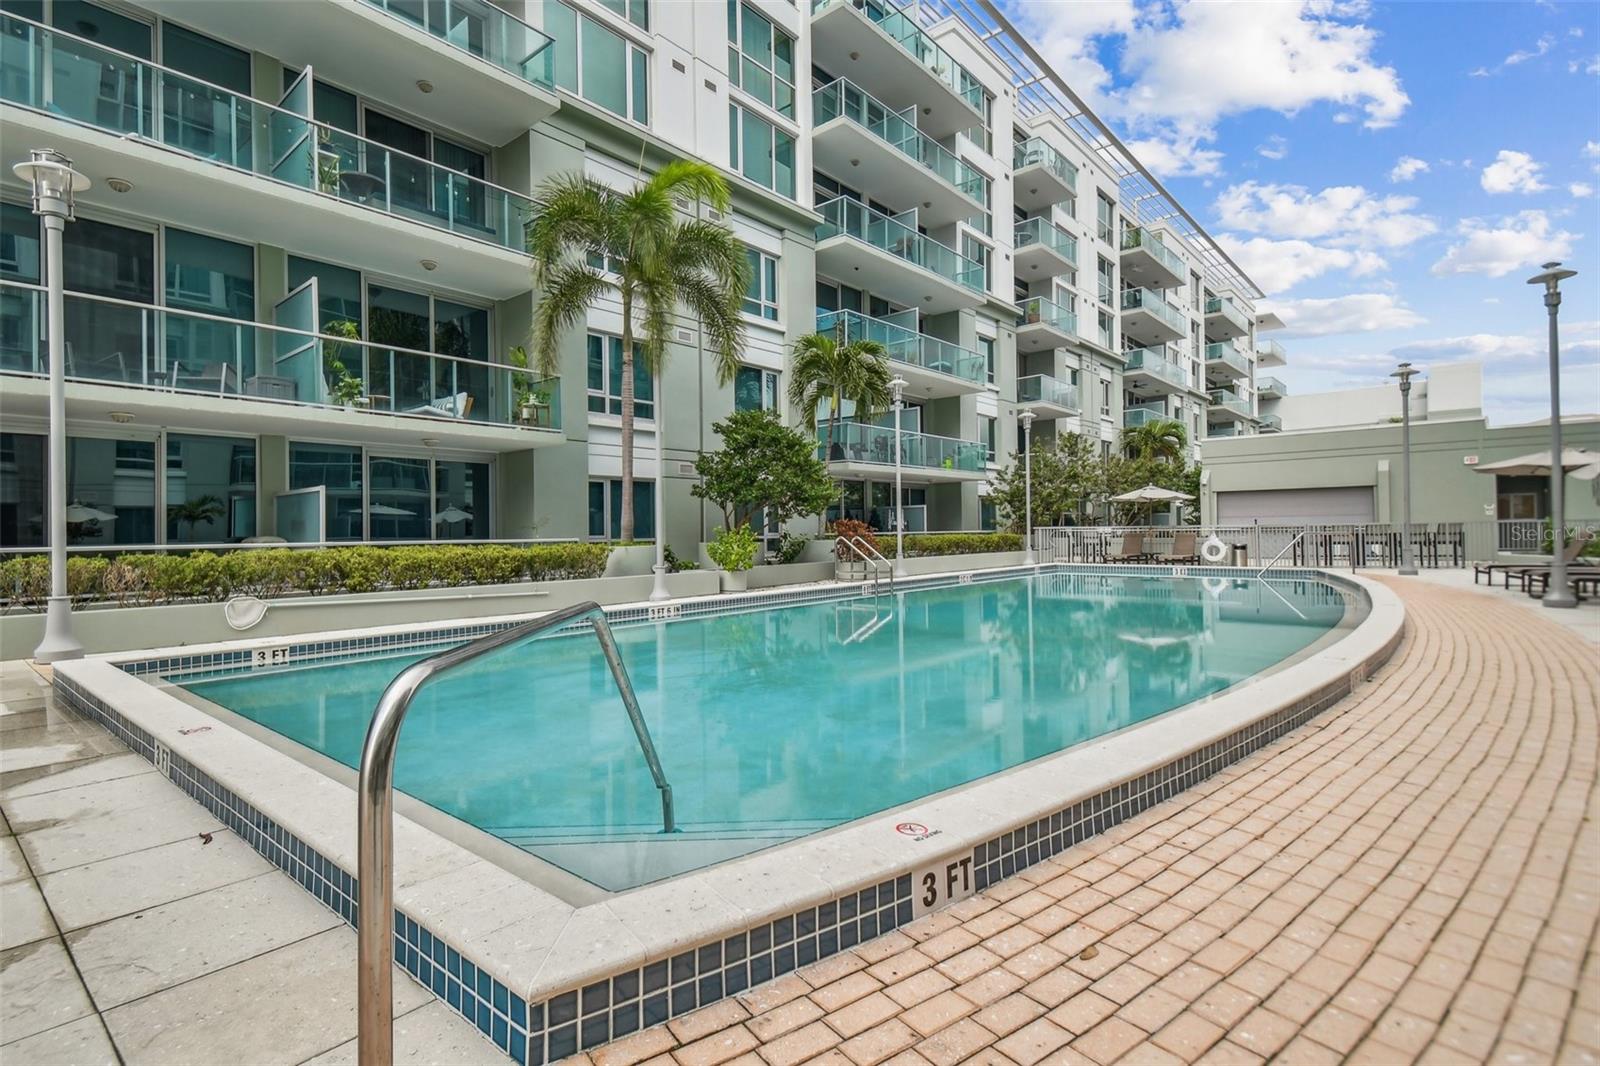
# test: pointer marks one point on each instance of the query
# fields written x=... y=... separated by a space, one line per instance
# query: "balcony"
x=1041 y=249
x=1224 y=322
x=1148 y=370
x=1271 y=388
x=904 y=265
x=864 y=450
x=931 y=367
x=1046 y=397
x=1143 y=414
x=491 y=75
x=1044 y=324
x=1148 y=262
x=1270 y=424
x=1228 y=430
x=1148 y=320
x=887 y=156
x=1270 y=353
x=876 y=44
x=225 y=373
x=1228 y=406
x=221 y=162
x=1224 y=362
x=1041 y=175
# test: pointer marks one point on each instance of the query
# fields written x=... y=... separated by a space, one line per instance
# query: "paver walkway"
x=1413 y=876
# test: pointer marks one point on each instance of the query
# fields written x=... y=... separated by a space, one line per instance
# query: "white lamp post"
x=898 y=384
x=1405 y=373
x=1027 y=488
x=1558 y=593
x=658 y=591
x=53 y=181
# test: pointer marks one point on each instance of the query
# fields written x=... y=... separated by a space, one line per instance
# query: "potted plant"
x=734 y=550
x=326 y=162
x=344 y=388
x=528 y=404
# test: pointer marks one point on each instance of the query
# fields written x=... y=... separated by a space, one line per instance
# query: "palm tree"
x=825 y=370
x=588 y=240
x=195 y=511
x=1164 y=440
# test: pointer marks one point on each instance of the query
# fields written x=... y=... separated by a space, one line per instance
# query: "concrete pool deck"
x=1359 y=883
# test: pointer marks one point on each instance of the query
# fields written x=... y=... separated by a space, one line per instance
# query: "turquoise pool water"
x=774 y=723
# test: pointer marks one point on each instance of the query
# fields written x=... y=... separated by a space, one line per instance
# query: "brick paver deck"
x=1413 y=876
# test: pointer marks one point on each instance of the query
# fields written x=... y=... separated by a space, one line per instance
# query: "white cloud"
x=1364 y=312
x=1342 y=214
x=1180 y=157
x=1539 y=49
x=1406 y=168
x=1585 y=66
x=1591 y=149
x=1580 y=190
x=1580 y=343
x=1512 y=172
x=1276 y=147
x=1277 y=266
x=1066 y=35
x=1498 y=248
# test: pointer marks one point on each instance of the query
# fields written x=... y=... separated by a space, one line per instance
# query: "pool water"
x=774 y=723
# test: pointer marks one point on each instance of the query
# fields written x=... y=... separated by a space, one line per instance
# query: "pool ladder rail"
x=851 y=551
x=375 y=809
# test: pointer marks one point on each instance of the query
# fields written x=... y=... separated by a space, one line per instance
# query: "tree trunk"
x=627 y=417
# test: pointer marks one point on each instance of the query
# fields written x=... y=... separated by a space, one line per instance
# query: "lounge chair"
x=1132 y=550
x=457 y=406
x=1575 y=548
x=1183 y=548
x=1537 y=583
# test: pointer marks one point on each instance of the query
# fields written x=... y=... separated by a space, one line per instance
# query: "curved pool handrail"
x=375 y=809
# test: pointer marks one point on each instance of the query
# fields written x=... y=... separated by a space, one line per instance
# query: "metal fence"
x=1370 y=545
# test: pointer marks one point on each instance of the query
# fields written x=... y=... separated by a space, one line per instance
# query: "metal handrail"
x=375 y=814
x=1273 y=561
x=869 y=556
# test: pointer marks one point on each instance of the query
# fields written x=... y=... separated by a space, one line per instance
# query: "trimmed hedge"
x=926 y=544
x=134 y=580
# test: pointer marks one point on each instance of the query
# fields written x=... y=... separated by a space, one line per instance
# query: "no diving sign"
x=939 y=883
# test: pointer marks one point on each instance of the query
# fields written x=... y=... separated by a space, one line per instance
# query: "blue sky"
x=1390 y=173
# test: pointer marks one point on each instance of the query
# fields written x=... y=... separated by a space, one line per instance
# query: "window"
x=605 y=509
x=760 y=59
x=760 y=151
x=1106 y=272
x=1108 y=331
x=605 y=378
x=1106 y=219
x=460 y=500
x=755 y=389
x=987 y=434
x=211 y=489
x=1105 y=399
x=338 y=290
x=1194 y=291
x=987 y=516
x=635 y=11
x=978 y=252
x=596 y=63
x=761 y=298
x=338 y=469
x=19 y=244
x=22 y=508
x=1069 y=204
x=399 y=495
x=986 y=349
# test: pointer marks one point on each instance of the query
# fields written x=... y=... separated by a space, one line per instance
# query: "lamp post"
x=1405 y=372
x=898 y=384
x=1558 y=593
x=658 y=591
x=1027 y=488
x=54 y=182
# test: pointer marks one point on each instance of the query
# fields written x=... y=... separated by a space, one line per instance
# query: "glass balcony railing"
x=1041 y=388
x=1155 y=304
x=1039 y=311
x=861 y=442
x=1143 y=414
x=1270 y=349
x=1035 y=152
x=906 y=345
x=1271 y=424
x=1227 y=429
x=1224 y=354
x=483 y=30
x=852 y=218
x=1154 y=361
x=844 y=98
x=117 y=342
x=904 y=31
x=42 y=68
x=1141 y=238
x=1229 y=400
x=1269 y=384
x=1041 y=231
x=1216 y=305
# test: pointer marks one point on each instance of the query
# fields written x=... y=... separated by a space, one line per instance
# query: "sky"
x=1390 y=174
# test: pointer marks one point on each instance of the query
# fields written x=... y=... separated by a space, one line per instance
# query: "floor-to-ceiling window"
x=22 y=490
x=399 y=498
x=213 y=277
x=210 y=489
x=461 y=500
x=337 y=468
x=605 y=509
x=108 y=341
x=395 y=497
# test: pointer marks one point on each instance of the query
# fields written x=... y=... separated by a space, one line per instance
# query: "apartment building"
x=296 y=283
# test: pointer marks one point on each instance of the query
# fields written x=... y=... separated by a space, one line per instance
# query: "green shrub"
x=733 y=549
x=926 y=544
x=674 y=564
x=790 y=548
x=140 y=580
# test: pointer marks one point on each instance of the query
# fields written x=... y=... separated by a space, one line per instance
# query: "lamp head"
x=1026 y=418
x=1405 y=372
x=50 y=176
x=898 y=384
x=1551 y=277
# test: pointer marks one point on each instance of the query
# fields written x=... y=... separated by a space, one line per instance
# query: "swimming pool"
x=779 y=722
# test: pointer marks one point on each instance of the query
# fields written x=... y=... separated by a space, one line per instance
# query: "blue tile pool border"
x=581 y=1019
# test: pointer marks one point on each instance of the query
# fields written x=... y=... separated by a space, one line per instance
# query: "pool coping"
x=542 y=978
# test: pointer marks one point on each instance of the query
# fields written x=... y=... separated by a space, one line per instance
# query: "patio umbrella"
x=1152 y=495
x=452 y=514
x=77 y=512
x=383 y=510
x=1577 y=462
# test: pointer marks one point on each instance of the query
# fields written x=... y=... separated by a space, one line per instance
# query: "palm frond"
x=568 y=291
x=570 y=218
x=694 y=180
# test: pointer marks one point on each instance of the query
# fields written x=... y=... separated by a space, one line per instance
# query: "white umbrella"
x=452 y=514
x=77 y=512
x=1152 y=494
x=1578 y=462
x=384 y=509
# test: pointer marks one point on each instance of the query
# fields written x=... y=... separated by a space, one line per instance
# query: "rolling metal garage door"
x=1296 y=506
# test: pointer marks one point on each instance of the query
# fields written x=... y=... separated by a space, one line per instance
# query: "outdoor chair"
x=1132 y=550
x=1583 y=577
x=1575 y=548
x=1183 y=548
x=457 y=406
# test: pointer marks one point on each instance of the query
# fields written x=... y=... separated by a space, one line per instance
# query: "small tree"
x=825 y=371
x=763 y=467
x=201 y=509
x=1068 y=477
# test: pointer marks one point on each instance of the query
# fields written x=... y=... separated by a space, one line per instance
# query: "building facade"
x=297 y=283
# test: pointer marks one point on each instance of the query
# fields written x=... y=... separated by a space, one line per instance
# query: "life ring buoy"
x=1213 y=550
x=1214 y=585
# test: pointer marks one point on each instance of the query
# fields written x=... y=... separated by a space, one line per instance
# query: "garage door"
x=1296 y=506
